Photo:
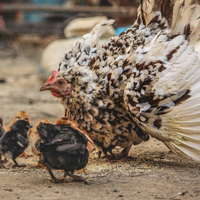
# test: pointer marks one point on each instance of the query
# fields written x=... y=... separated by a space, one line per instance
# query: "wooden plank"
x=40 y=28
x=109 y=11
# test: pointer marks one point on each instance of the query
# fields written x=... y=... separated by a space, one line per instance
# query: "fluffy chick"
x=62 y=147
x=73 y=124
x=21 y=115
x=35 y=136
x=2 y=131
x=14 y=142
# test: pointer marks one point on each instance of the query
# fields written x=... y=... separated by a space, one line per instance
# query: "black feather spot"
x=158 y=123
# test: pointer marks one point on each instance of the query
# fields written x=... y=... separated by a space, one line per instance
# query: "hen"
x=14 y=142
x=144 y=82
x=62 y=147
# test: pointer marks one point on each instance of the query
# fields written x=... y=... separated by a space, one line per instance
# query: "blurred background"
x=34 y=36
x=39 y=22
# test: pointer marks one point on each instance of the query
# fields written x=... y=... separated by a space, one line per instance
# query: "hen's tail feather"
x=101 y=28
x=182 y=16
x=180 y=129
x=184 y=150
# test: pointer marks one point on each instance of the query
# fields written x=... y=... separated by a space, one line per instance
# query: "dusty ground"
x=152 y=172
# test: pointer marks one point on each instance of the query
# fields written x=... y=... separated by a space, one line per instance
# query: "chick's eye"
x=26 y=119
x=61 y=82
x=18 y=117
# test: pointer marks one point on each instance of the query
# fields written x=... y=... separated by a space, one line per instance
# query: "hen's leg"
x=124 y=152
x=99 y=154
x=111 y=156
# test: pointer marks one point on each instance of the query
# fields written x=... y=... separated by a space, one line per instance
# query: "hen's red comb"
x=54 y=73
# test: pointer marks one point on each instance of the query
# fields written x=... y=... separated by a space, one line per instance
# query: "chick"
x=2 y=131
x=35 y=136
x=73 y=124
x=14 y=142
x=23 y=115
x=62 y=147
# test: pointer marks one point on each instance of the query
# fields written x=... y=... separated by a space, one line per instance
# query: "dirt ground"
x=151 y=172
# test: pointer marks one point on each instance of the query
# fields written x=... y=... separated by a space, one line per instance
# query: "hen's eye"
x=61 y=82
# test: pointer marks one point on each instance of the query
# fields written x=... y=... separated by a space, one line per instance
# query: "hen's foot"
x=124 y=153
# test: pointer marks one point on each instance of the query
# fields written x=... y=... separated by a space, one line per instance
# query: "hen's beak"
x=45 y=87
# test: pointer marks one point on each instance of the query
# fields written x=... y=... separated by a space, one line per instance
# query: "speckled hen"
x=143 y=82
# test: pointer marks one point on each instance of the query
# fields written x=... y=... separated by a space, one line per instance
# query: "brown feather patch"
x=157 y=123
x=183 y=98
x=170 y=55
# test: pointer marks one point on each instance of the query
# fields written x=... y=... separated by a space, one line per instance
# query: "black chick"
x=14 y=142
x=62 y=147
x=2 y=131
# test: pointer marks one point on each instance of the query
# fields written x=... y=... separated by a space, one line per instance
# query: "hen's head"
x=58 y=86
x=77 y=82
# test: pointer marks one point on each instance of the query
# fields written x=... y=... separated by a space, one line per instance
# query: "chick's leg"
x=16 y=164
x=53 y=178
x=1 y=162
x=75 y=177
x=84 y=170
x=25 y=155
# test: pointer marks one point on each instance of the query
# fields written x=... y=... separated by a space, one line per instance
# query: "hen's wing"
x=162 y=94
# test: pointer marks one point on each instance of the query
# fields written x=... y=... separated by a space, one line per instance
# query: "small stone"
x=8 y=189
x=182 y=193
x=116 y=190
